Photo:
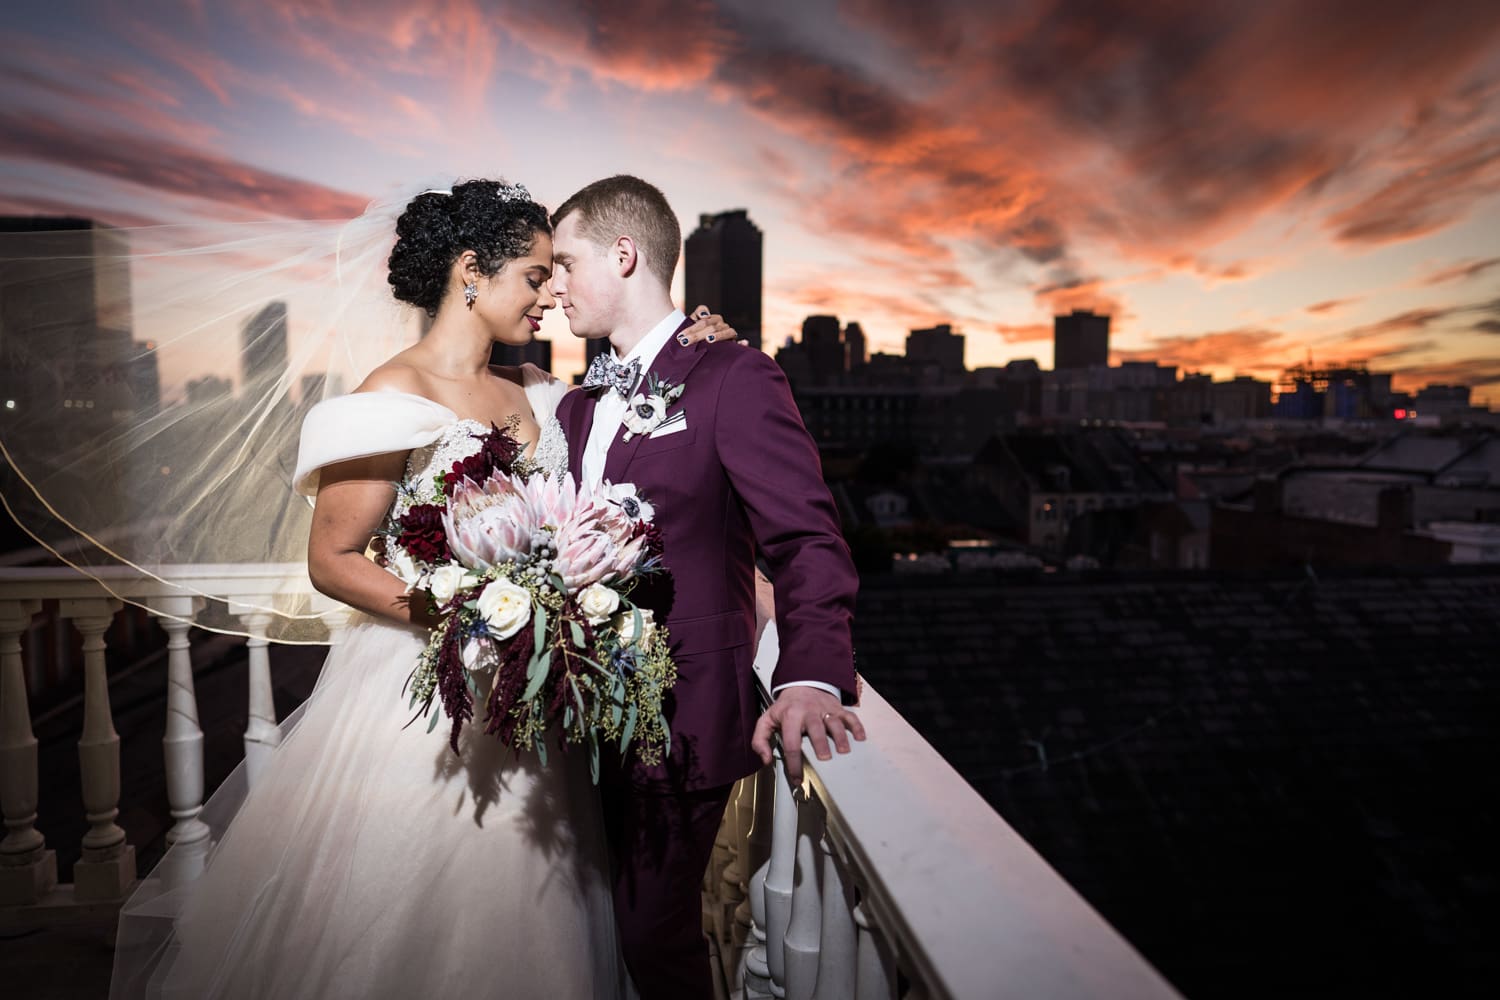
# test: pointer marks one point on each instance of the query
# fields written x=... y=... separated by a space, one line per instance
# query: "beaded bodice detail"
x=459 y=441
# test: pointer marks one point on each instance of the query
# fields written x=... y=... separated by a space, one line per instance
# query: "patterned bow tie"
x=605 y=372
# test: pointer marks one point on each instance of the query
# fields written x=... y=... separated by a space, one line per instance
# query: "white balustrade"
x=262 y=736
x=107 y=867
x=28 y=870
x=29 y=893
x=888 y=871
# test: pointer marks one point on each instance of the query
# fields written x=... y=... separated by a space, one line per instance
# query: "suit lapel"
x=673 y=365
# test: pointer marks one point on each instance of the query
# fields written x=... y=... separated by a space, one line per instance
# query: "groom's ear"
x=625 y=256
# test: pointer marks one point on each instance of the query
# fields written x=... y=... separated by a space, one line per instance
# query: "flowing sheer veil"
x=153 y=383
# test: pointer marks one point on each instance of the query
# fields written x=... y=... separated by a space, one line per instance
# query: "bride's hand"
x=709 y=326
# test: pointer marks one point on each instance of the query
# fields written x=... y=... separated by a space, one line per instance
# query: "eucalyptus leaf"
x=640 y=626
x=541 y=751
x=536 y=674
x=437 y=713
x=594 y=759
x=668 y=730
x=630 y=715
x=578 y=638
x=557 y=583
x=540 y=629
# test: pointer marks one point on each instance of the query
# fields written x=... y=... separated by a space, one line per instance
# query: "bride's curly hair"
x=436 y=227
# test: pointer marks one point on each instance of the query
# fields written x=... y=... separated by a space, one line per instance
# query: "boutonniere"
x=647 y=411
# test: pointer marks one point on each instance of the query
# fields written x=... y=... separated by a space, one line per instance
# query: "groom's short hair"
x=628 y=206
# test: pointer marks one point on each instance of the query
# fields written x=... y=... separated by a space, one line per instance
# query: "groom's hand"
x=805 y=710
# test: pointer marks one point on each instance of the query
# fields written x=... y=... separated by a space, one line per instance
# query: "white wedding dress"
x=368 y=860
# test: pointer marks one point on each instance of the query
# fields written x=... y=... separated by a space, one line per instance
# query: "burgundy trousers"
x=661 y=843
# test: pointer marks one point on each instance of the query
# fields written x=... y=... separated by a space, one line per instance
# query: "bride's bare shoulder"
x=395 y=375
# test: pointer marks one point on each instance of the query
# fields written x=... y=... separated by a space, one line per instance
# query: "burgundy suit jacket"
x=743 y=475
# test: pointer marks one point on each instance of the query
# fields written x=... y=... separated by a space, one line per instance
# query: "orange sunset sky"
x=1241 y=186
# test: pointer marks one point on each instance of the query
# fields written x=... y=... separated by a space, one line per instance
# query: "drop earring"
x=471 y=292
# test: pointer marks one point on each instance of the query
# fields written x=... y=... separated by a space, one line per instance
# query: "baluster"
x=107 y=867
x=803 y=930
x=182 y=747
x=779 y=874
x=875 y=967
x=28 y=870
x=262 y=736
x=757 y=849
x=737 y=872
x=757 y=975
x=836 y=956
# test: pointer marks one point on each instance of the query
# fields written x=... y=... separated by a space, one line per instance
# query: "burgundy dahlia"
x=422 y=534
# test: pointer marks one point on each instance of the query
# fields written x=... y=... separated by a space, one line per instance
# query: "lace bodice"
x=458 y=441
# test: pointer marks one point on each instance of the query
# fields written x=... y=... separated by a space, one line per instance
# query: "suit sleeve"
x=773 y=466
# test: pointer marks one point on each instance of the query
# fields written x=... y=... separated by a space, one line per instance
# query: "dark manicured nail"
x=683 y=340
x=709 y=338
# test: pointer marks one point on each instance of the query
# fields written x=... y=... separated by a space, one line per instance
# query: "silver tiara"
x=506 y=192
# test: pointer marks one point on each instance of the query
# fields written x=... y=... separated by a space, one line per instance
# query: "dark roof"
x=1276 y=785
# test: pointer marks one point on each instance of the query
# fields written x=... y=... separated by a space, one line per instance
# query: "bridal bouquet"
x=531 y=578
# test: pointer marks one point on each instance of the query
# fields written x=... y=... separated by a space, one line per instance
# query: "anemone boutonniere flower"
x=647 y=411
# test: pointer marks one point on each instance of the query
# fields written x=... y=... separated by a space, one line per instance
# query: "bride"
x=368 y=860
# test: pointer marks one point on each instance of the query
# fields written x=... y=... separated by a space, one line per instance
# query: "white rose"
x=598 y=602
x=446 y=581
x=625 y=625
x=504 y=607
x=401 y=564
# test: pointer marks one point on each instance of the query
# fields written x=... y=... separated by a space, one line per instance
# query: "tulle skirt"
x=370 y=861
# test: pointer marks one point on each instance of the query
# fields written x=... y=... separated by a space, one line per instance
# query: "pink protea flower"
x=490 y=523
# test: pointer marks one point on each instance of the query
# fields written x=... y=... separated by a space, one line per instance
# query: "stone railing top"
x=973 y=908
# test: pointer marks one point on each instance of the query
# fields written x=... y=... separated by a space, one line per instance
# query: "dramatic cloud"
x=1332 y=305
x=170 y=169
x=1250 y=350
x=1461 y=271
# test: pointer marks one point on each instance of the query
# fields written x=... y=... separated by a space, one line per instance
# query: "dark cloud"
x=170 y=168
x=1461 y=271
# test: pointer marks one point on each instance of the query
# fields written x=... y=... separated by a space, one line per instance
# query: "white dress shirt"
x=609 y=417
x=609 y=412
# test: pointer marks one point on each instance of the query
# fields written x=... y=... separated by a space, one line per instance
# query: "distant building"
x=722 y=269
x=823 y=344
x=1080 y=340
x=854 y=346
x=536 y=352
x=208 y=389
x=939 y=345
x=263 y=356
x=145 y=379
x=66 y=350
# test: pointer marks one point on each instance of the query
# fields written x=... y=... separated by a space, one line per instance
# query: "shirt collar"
x=649 y=346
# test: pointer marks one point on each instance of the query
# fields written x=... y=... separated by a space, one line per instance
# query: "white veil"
x=153 y=383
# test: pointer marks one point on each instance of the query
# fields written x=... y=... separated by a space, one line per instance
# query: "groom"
x=722 y=456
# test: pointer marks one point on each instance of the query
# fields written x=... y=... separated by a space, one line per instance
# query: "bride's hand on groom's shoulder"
x=707 y=326
x=809 y=711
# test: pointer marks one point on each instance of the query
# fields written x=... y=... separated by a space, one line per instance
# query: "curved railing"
x=885 y=875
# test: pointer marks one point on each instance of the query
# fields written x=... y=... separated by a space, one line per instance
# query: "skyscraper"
x=938 y=344
x=1080 y=340
x=537 y=352
x=854 y=346
x=263 y=350
x=723 y=270
x=824 y=348
x=65 y=321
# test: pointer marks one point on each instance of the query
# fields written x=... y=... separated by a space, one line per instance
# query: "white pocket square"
x=672 y=428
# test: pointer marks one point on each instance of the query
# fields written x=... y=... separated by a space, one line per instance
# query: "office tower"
x=537 y=352
x=939 y=345
x=722 y=269
x=263 y=355
x=824 y=348
x=854 y=346
x=65 y=318
x=1080 y=340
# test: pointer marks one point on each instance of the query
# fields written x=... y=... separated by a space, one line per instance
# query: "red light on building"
x=1399 y=414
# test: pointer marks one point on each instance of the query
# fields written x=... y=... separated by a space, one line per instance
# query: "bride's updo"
x=498 y=221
